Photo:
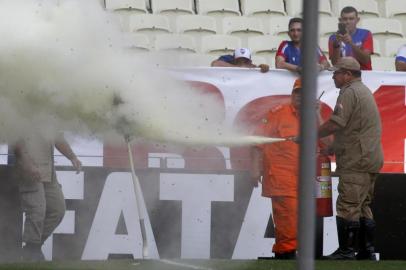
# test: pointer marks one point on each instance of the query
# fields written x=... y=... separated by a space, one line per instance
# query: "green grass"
x=201 y=265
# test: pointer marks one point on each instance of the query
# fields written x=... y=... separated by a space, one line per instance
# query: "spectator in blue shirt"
x=288 y=55
x=355 y=42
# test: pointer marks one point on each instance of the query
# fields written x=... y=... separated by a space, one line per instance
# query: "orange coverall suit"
x=280 y=176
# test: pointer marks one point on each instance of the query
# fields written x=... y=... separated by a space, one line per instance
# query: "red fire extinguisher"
x=324 y=196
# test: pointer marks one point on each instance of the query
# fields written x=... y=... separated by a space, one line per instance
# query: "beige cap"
x=349 y=63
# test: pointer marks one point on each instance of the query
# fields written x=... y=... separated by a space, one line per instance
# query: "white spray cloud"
x=63 y=67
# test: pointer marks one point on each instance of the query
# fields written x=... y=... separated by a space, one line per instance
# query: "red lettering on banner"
x=391 y=103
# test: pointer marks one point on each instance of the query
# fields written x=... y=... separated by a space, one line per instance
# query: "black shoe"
x=286 y=255
x=32 y=253
x=366 y=240
x=341 y=254
x=347 y=236
x=366 y=255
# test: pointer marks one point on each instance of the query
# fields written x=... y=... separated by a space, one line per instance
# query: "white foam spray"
x=63 y=67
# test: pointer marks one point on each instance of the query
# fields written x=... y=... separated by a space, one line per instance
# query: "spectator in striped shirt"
x=354 y=42
x=288 y=55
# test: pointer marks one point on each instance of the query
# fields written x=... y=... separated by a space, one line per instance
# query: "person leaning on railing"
x=289 y=55
x=240 y=58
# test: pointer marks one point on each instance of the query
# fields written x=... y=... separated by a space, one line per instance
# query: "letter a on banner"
x=118 y=198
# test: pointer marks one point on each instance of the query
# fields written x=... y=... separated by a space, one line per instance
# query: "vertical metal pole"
x=139 y=197
x=308 y=131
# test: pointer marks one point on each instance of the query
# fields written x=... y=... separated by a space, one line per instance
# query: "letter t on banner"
x=196 y=191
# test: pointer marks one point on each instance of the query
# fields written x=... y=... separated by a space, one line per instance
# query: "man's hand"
x=256 y=166
x=320 y=67
x=264 y=68
x=77 y=165
x=63 y=147
x=295 y=139
x=339 y=39
x=298 y=69
x=327 y=151
x=346 y=38
x=35 y=173
x=255 y=178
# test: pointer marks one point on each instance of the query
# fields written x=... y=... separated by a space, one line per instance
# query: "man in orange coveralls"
x=278 y=163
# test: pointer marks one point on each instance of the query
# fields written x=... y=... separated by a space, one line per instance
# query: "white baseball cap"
x=242 y=52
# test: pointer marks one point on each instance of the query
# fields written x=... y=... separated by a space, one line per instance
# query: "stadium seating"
x=265 y=46
x=325 y=8
x=383 y=63
x=179 y=59
x=383 y=28
x=222 y=25
x=377 y=48
x=278 y=26
x=262 y=8
x=392 y=46
x=149 y=24
x=220 y=44
x=219 y=7
x=124 y=8
x=294 y=8
x=190 y=24
x=233 y=25
x=139 y=6
x=196 y=26
x=197 y=59
x=137 y=42
x=323 y=44
x=396 y=10
x=172 y=6
x=243 y=27
x=172 y=9
x=328 y=26
x=176 y=42
x=257 y=60
x=366 y=8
